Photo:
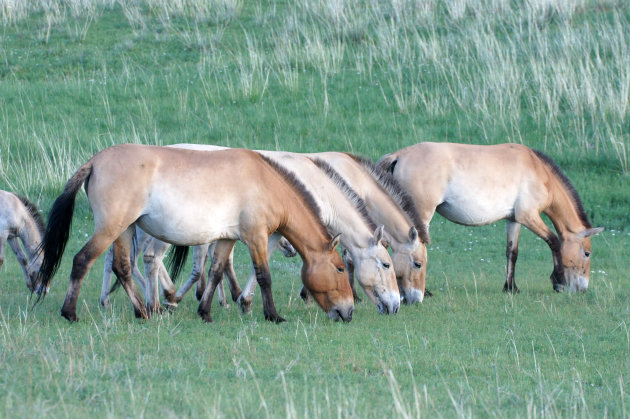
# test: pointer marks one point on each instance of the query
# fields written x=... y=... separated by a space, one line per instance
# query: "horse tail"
x=58 y=228
x=176 y=260
x=387 y=163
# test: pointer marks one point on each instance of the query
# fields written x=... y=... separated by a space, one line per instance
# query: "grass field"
x=368 y=77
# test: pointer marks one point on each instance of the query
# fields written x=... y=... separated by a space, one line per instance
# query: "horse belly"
x=190 y=226
x=476 y=209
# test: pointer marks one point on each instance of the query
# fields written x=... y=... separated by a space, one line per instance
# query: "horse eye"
x=385 y=265
x=418 y=265
x=340 y=270
x=587 y=253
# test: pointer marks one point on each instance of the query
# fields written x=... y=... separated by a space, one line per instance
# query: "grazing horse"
x=388 y=204
x=189 y=198
x=342 y=213
x=477 y=185
x=20 y=219
x=154 y=251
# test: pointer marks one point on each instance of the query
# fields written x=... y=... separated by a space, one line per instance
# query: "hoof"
x=205 y=316
x=514 y=289
x=140 y=314
x=105 y=303
x=305 y=295
x=169 y=306
x=244 y=304
x=198 y=294
x=70 y=316
x=274 y=318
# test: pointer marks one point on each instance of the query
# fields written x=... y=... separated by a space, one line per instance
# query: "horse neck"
x=31 y=237
x=563 y=210
x=303 y=228
x=385 y=211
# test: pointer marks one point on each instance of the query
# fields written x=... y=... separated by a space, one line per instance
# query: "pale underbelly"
x=474 y=213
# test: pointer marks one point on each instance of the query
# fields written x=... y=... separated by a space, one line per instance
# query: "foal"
x=20 y=220
x=477 y=185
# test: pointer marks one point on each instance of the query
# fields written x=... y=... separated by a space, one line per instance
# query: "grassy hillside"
x=368 y=77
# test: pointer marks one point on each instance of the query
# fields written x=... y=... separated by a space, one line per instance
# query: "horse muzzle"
x=388 y=303
x=413 y=296
x=343 y=313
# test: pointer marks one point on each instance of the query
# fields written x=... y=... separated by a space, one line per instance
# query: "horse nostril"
x=396 y=309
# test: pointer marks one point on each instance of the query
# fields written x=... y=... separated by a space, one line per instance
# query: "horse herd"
x=145 y=198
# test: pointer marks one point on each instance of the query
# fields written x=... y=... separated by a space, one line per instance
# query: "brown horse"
x=20 y=220
x=477 y=185
x=189 y=198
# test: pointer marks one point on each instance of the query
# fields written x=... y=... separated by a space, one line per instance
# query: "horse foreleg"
x=538 y=227
x=122 y=268
x=200 y=254
x=153 y=257
x=244 y=301
x=3 y=242
x=513 y=231
x=258 y=251
x=235 y=288
x=81 y=264
x=219 y=259
x=22 y=259
x=107 y=278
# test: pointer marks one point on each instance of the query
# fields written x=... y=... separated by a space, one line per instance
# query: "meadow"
x=368 y=77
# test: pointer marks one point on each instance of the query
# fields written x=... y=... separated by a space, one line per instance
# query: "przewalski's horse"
x=388 y=204
x=344 y=213
x=154 y=251
x=476 y=185
x=20 y=220
x=189 y=198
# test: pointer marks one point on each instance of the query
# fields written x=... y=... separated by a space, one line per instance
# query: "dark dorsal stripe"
x=34 y=212
x=300 y=189
x=357 y=202
x=577 y=202
x=396 y=192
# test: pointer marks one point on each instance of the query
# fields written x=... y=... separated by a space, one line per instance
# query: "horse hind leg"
x=513 y=230
x=122 y=269
x=81 y=264
x=107 y=278
x=235 y=288
x=220 y=258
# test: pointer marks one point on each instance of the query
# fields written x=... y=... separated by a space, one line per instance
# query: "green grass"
x=367 y=77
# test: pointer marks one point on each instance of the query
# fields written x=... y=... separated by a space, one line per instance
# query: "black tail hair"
x=58 y=228
x=176 y=260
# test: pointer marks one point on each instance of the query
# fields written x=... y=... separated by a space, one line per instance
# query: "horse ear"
x=413 y=234
x=334 y=242
x=590 y=232
x=379 y=236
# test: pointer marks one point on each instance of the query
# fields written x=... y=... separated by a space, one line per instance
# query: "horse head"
x=325 y=278
x=410 y=263
x=375 y=272
x=575 y=252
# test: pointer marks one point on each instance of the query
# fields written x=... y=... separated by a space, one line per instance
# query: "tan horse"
x=476 y=185
x=189 y=198
x=342 y=213
x=20 y=220
x=388 y=204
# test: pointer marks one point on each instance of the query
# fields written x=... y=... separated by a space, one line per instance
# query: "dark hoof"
x=513 y=289
x=274 y=318
x=141 y=314
x=427 y=293
x=70 y=316
x=305 y=295
x=244 y=304
x=205 y=316
x=558 y=287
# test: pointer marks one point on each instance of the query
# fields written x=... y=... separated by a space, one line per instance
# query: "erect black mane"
x=575 y=197
x=396 y=192
x=356 y=201
x=34 y=212
x=299 y=187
